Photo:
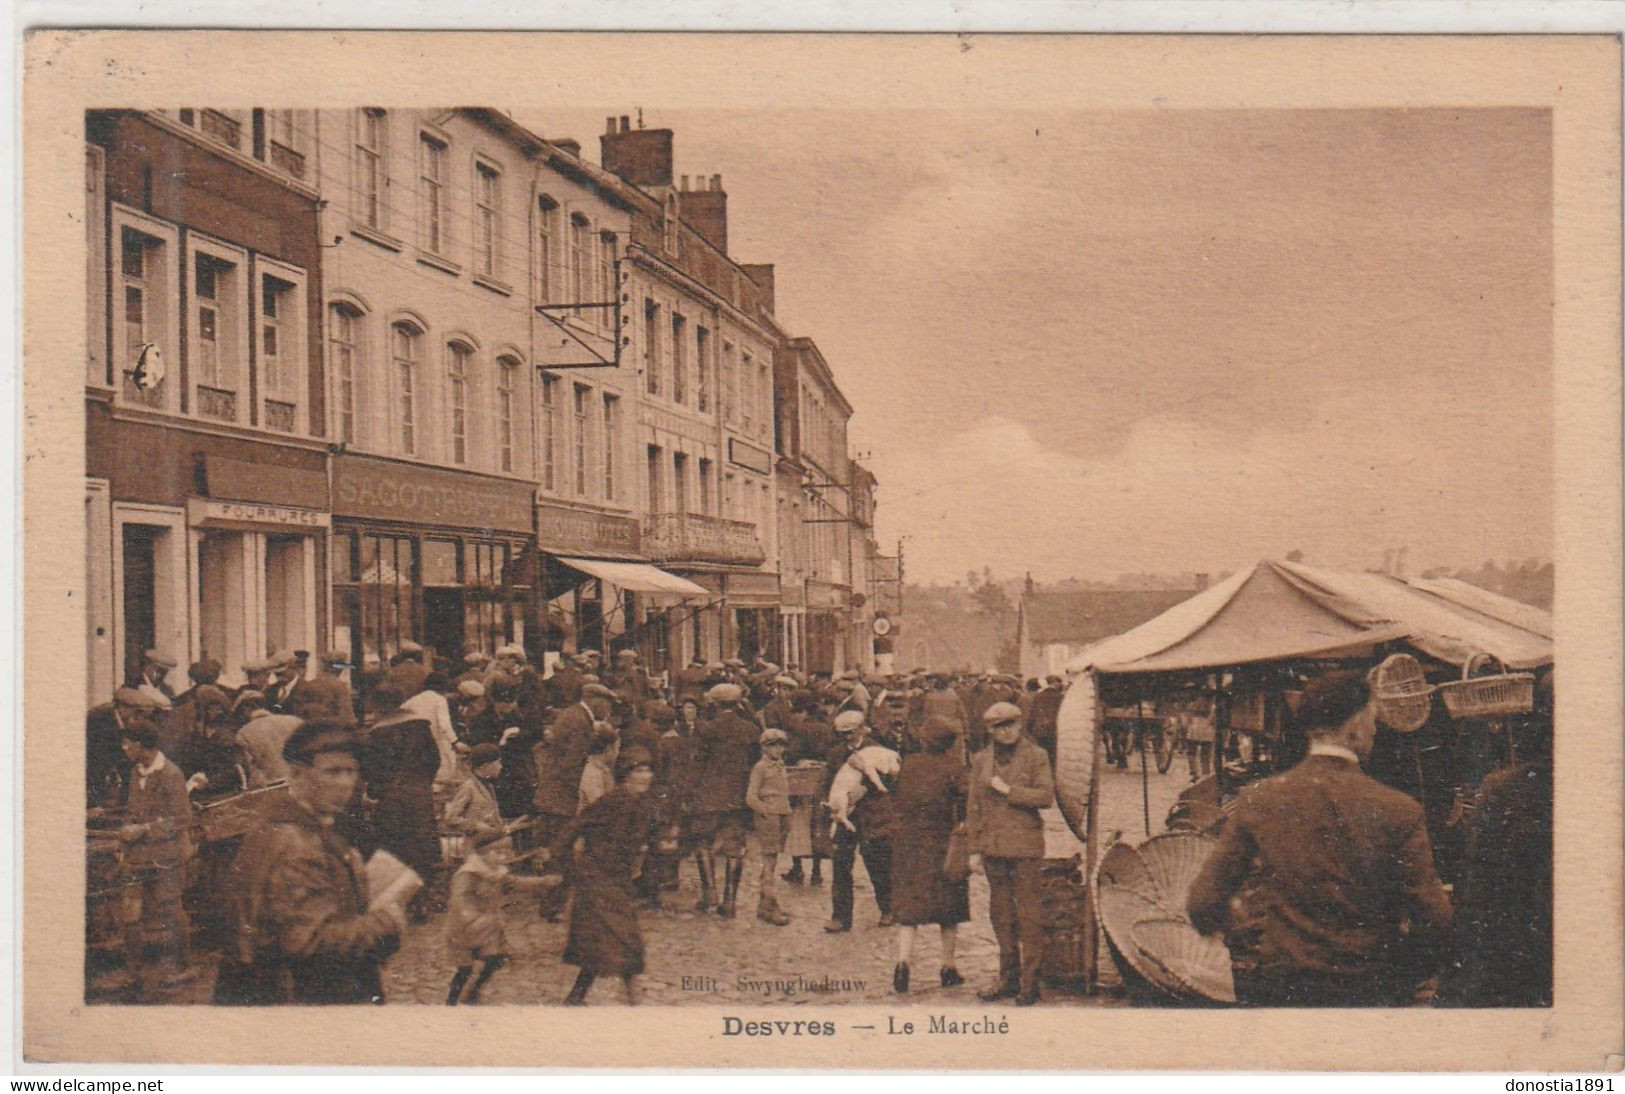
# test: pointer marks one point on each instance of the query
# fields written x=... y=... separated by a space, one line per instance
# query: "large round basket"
x=1200 y=964
x=1075 y=733
x=1403 y=695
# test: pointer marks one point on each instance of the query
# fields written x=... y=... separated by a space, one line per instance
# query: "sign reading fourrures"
x=509 y=585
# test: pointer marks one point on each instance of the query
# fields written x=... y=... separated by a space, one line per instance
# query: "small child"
x=769 y=798
x=474 y=931
x=473 y=811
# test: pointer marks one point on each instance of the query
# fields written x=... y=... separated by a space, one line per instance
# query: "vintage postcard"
x=823 y=551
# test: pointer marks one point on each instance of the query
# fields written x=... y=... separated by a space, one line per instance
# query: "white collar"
x=1326 y=748
x=157 y=762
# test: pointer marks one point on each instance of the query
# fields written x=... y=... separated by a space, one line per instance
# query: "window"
x=612 y=406
x=679 y=361
x=144 y=309
x=764 y=406
x=702 y=369
x=547 y=247
x=582 y=394
x=706 y=500
x=507 y=371
x=747 y=392
x=222 y=127
x=669 y=225
x=406 y=339
x=651 y=346
x=432 y=192
x=655 y=493
x=281 y=351
x=730 y=384
x=486 y=193
x=217 y=349
x=283 y=144
x=579 y=257
x=344 y=357
x=609 y=291
x=550 y=431
x=679 y=482
x=458 y=356
x=370 y=167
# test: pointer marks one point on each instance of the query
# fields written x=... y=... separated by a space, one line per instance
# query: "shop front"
x=600 y=593
x=827 y=626
x=200 y=544
x=439 y=557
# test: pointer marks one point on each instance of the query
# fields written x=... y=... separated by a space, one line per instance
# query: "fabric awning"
x=637 y=577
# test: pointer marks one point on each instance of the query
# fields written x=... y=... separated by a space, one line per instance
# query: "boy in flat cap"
x=305 y=928
x=768 y=796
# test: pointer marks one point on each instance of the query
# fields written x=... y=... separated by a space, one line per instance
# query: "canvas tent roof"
x=1281 y=610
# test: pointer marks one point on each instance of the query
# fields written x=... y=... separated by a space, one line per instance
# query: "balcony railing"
x=280 y=416
x=217 y=402
x=288 y=160
x=689 y=537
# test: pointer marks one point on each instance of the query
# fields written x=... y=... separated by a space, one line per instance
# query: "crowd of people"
x=591 y=786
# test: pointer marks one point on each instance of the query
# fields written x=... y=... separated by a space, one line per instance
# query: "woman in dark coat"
x=927 y=804
x=602 y=851
x=399 y=764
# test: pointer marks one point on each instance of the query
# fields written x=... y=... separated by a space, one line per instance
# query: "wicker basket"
x=1489 y=696
x=806 y=779
x=1403 y=695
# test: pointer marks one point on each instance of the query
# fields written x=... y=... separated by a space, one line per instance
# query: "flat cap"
x=336 y=656
x=134 y=697
x=157 y=657
x=723 y=693
x=410 y=646
x=313 y=738
x=471 y=689
x=786 y=681
x=482 y=754
x=476 y=657
x=848 y=721
x=510 y=650
x=598 y=691
x=627 y=655
x=1000 y=713
x=263 y=664
x=773 y=736
x=206 y=671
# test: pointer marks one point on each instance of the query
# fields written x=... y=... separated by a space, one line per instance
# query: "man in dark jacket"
x=1043 y=713
x=725 y=749
x=1010 y=782
x=874 y=823
x=303 y=928
x=1340 y=902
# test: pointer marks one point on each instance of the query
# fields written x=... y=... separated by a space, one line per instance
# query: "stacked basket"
x=1140 y=899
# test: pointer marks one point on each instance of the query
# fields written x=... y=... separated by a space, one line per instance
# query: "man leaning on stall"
x=1323 y=880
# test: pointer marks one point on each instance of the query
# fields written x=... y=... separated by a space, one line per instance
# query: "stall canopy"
x=1278 y=611
x=637 y=577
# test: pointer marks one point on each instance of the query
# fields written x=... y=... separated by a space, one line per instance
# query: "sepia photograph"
x=905 y=557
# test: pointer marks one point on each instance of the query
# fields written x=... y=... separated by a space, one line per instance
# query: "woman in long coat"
x=602 y=851
x=927 y=804
x=400 y=764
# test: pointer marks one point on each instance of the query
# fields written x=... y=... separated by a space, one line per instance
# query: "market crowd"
x=446 y=787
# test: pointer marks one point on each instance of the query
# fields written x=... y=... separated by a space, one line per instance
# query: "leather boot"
x=768 y=911
x=899 y=978
x=730 y=887
x=708 y=895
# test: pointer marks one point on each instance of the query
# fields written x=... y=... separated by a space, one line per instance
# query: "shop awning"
x=637 y=577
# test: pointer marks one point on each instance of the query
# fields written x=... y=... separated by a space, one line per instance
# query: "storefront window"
x=386 y=614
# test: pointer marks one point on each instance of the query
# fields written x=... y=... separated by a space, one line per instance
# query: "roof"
x=1079 y=618
x=1276 y=611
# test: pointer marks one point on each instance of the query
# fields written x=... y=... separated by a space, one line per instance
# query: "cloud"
x=1180 y=495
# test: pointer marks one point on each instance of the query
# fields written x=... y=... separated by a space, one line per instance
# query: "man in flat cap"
x=327 y=697
x=560 y=758
x=725 y=749
x=289 y=671
x=689 y=682
x=1010 y=783
x=1044 y=713
x=1340 y=904
x=105 y=762
x=256 y=676
x=630 y=679
x=870 y=835
x=304 y=927
x=564 y=686
x=153 y=677
x=156 y=835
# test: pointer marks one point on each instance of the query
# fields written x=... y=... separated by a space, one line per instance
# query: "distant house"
x=1052 y=627
x=943 y=631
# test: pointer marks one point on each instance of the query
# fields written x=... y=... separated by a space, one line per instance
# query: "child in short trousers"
x=474 y=931
x=768 y=796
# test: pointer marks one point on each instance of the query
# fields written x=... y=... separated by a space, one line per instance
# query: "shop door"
x=140 y=595
x=289 y=598
x=442 y=598
x=820 y=643
x=747 y=623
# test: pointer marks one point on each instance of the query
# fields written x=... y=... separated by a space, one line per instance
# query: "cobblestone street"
x=706 y=960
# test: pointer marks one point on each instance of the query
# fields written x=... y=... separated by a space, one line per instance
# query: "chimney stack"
x=706 y=210
x=761 y=274
x=640 y=156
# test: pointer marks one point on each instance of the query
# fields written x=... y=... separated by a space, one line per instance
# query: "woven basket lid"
x=1403 y=695
x=1173 y=860
x=1119 y=909
x=1075 y=731
x=1200 y=964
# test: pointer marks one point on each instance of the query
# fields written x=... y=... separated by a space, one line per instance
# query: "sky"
x=1081 y=344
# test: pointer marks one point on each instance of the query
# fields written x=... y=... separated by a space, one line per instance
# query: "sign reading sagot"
x=384 y=490
x=564 y=530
